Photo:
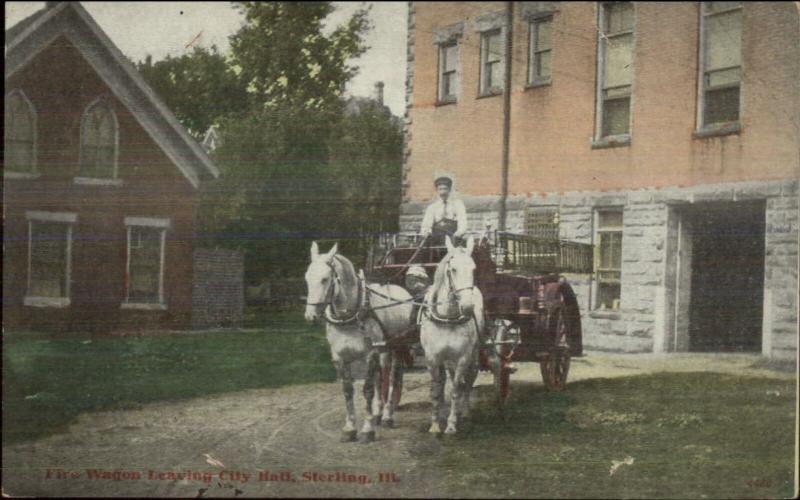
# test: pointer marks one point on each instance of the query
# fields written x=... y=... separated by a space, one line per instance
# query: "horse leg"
x=367 y=430
x=456 y=398
x=469 y=381
x=437 y=395
x=377 y=376
x=395 y=386
x=349 y=429
x=382 y=379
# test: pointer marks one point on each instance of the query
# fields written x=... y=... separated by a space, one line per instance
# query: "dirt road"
x=271 y=442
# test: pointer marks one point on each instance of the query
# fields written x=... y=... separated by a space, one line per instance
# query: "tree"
x=285 y=57
x=199 y=87
x=294 y=168
x=366 y=162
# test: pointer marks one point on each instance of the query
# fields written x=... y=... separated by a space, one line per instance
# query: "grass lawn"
x=685 y=435
x=48 y=381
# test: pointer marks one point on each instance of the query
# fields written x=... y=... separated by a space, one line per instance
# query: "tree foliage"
x=365 y=154
x=200 y=87
x=294 y=166
x=285 y=56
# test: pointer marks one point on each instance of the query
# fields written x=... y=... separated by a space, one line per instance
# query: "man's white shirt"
x=453 y=209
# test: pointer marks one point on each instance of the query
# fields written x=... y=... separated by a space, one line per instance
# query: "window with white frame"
x=448 y=75
x=721 y=62
x=615 y=79
x=98 y=156
x=49 y=258
x=540 y=50
x=608 y=258
x=491 y=68
x=19 y=134
x=145 y=268
x=542 y=222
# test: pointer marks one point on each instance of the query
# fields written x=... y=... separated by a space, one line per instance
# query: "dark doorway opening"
x=726 y=306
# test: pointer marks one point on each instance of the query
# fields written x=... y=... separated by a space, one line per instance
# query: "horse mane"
x=438 y=275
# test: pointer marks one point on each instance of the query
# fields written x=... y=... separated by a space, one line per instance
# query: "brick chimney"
x=379 y=93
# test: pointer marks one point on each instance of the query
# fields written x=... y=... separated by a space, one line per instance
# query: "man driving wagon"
x=447 y=216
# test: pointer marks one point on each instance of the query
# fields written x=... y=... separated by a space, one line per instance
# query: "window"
x=145 y=271
x=608 y=258
x=49 y=258
x=491 y=63
x=615 y=45
x=448 y=77
x=19 y=134
x=721 y=62
x=99 y=142
x=540 y=49
x=542 y=222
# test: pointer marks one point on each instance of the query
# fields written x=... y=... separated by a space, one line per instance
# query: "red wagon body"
x=532 y=312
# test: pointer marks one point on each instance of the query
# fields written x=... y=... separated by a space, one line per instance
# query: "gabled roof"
x=18 y=28
x=30 y=36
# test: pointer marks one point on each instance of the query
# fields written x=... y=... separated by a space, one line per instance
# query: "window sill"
x=445 y=102
x=717 y=130
x=20 y=175
x=612 y=141
x=92 y=181
x=605 y=314
x=490 y=93
x=538 y=83
x=143 y=306
x=57 y=302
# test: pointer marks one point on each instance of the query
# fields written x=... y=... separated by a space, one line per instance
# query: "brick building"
x=99 y=183
x=666 y=134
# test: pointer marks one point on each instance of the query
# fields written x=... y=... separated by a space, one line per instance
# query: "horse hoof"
x=348 y=436
x=450 y=430
x=435 y=429
x=367 y=437
x=388 y=423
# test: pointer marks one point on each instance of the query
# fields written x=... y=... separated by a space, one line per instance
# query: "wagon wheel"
x=555 y=366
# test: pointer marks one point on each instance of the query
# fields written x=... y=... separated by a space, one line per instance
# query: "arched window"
x=19 y=134
x=99 y=141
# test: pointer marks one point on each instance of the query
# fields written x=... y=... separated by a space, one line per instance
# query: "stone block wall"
x=643 y=322
x=780 y=279
x=410 y=48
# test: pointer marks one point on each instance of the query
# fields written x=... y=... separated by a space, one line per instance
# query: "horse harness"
x=363 y=311
x=452 y=298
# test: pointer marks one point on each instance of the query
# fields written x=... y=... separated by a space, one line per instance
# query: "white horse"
x=449 y=331
x=358 y=316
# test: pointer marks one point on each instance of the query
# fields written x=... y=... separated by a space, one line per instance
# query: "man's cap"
x=443 y=179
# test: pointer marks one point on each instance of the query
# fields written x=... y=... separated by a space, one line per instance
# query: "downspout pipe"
x=506 y=115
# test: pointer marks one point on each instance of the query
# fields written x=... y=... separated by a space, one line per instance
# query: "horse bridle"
x=330 y=293
x=453 y=291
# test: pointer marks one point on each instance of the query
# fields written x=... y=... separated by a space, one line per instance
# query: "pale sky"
x=162 y=28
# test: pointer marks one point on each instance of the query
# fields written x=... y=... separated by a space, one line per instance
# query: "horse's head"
x=319 y=280
x=460 y=273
